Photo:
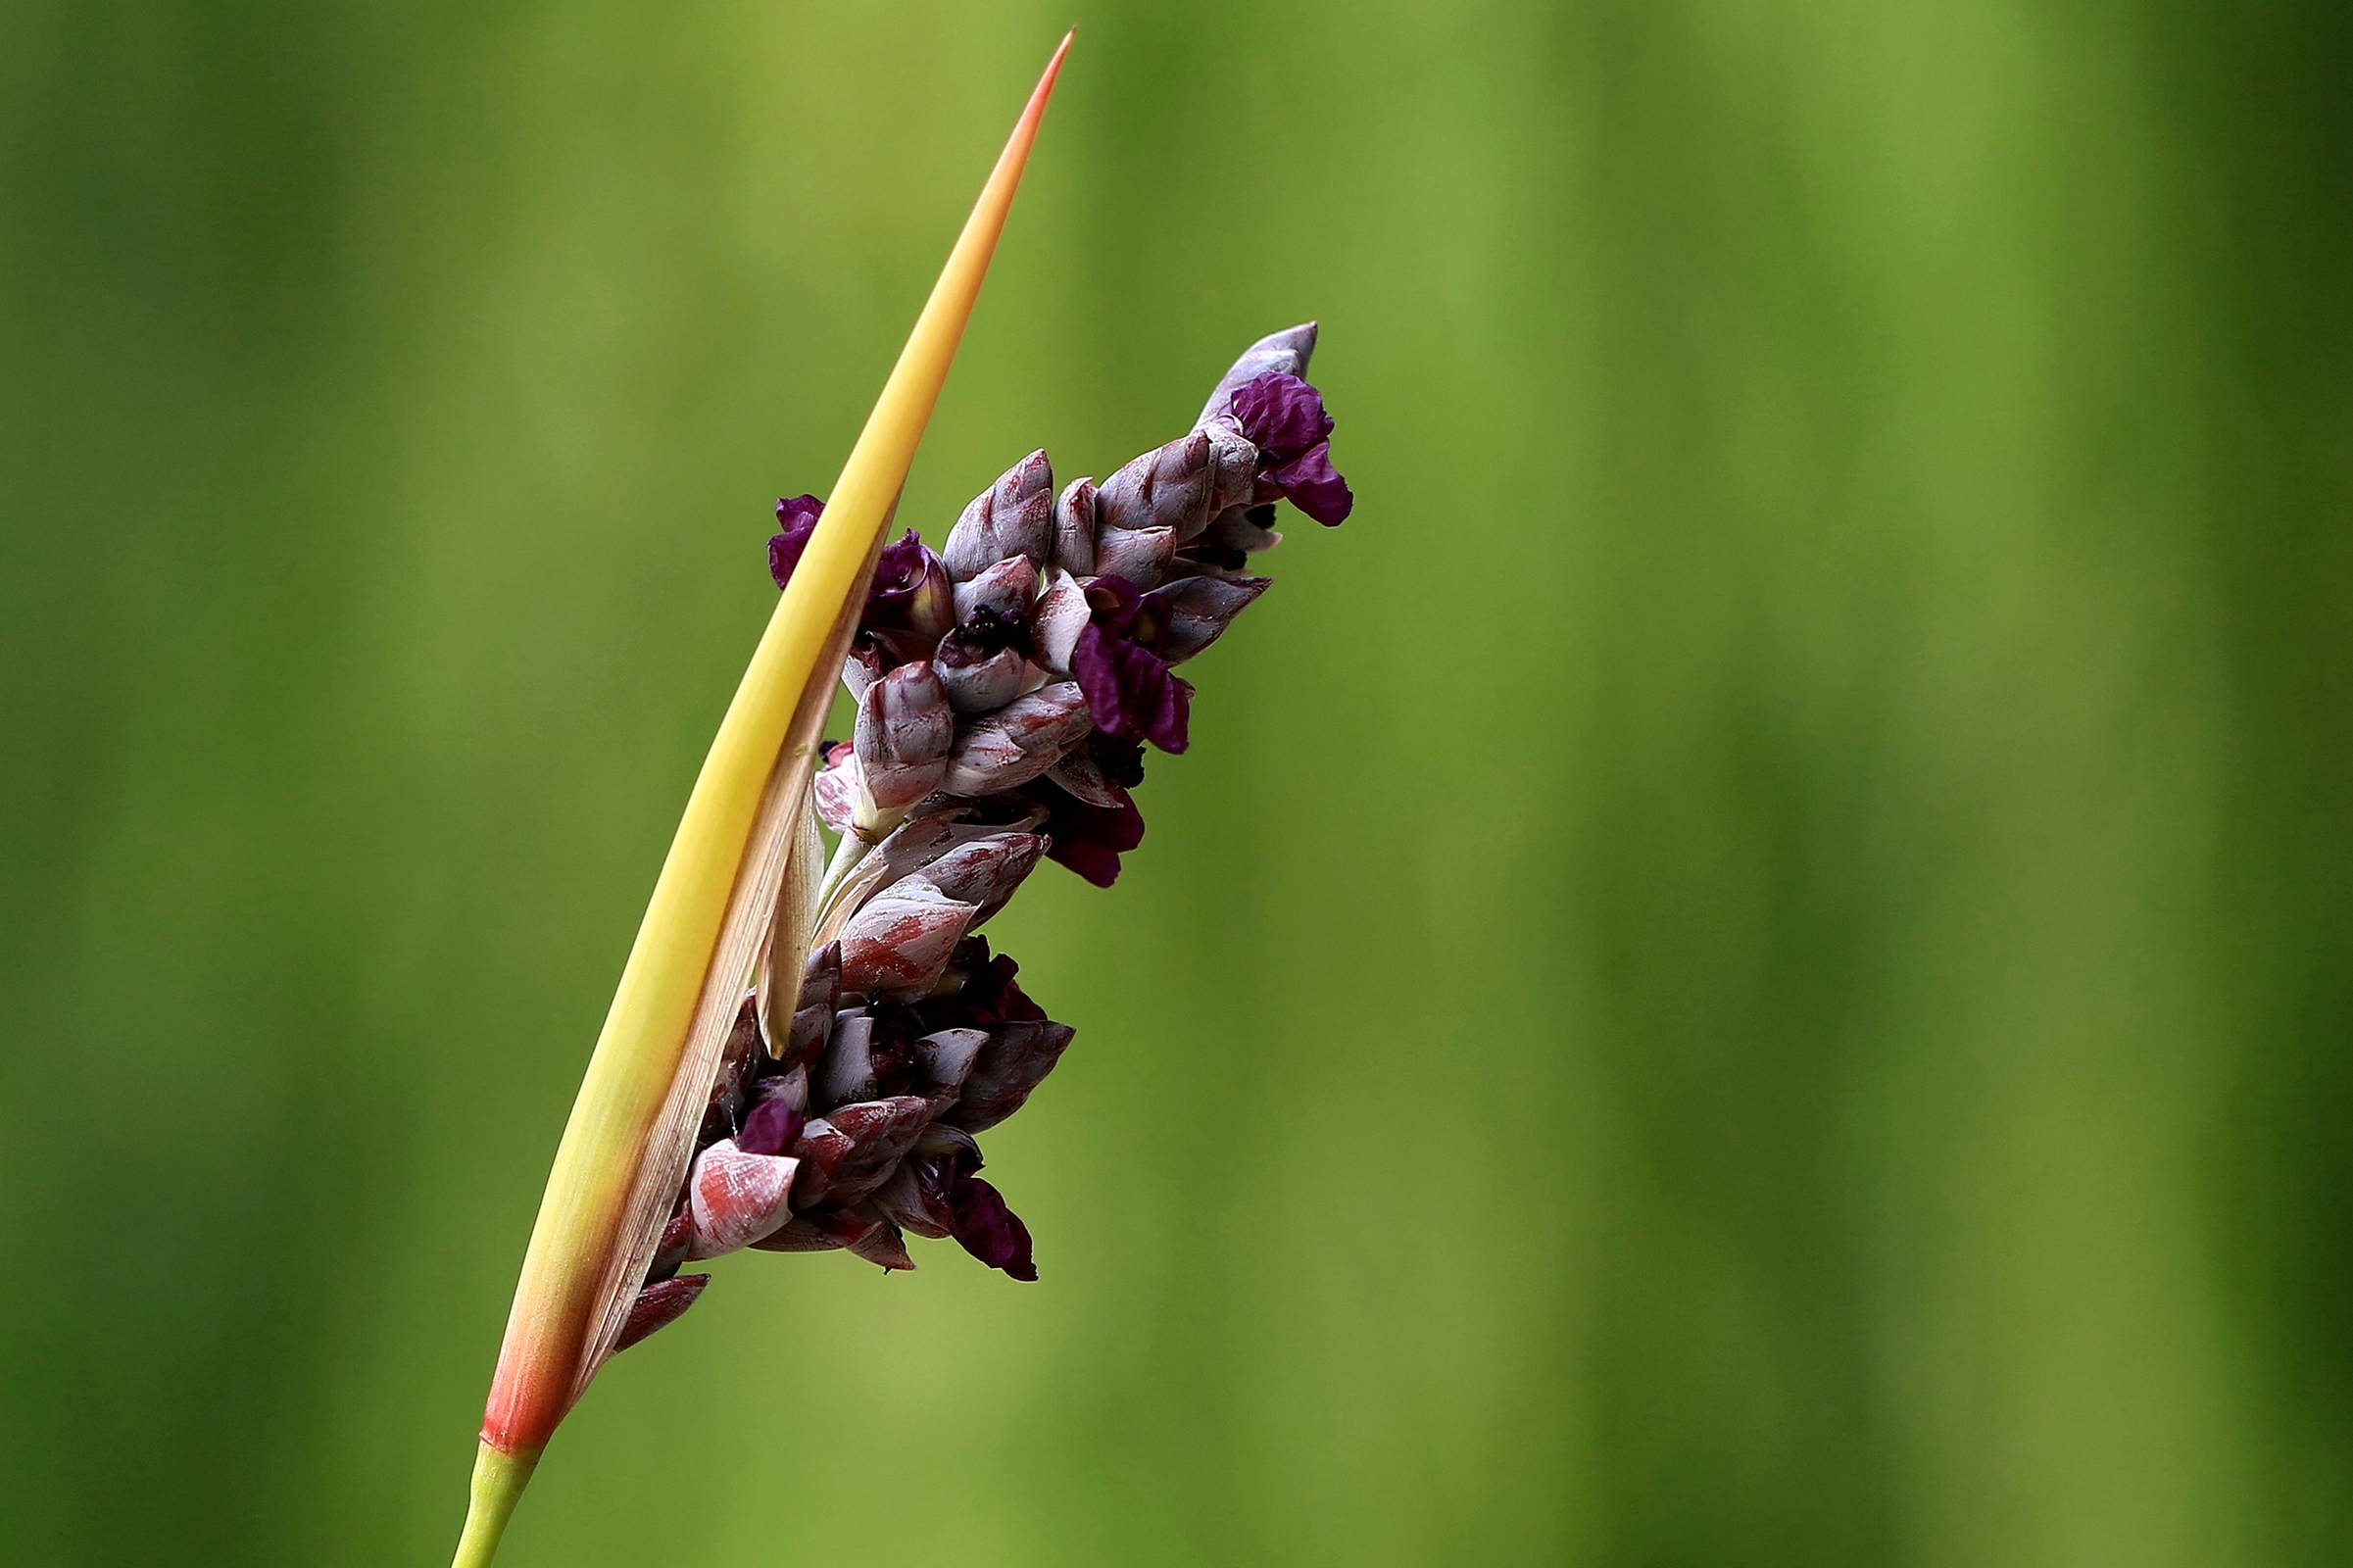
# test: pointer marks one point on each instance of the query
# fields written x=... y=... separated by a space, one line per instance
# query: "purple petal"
x=1310 y=483
x=989 y=1231
x=771 y=1128
x=797 y=518
x=1130 y=691
x=1089 y=839
x=1280 y=414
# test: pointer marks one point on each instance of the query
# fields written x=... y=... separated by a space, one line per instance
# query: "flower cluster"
x=1006 y=686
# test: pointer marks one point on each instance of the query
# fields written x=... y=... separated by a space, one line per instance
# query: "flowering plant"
x=803 y=1050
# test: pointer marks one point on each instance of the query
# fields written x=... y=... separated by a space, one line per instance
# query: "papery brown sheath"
x=742 y=855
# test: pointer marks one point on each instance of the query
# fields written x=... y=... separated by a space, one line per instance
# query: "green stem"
x=499 y=1481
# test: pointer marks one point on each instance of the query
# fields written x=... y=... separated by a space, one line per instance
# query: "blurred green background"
x=1750 y=965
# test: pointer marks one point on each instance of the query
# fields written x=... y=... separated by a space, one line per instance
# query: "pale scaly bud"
x=905 y=728
x=1138 y=555
x=947 y=1054
x=985 y=871
x=1001 y=595
x=1287 y=350
x=1060 y=613
x=865 y=664
x=737 y=1197
x=900 y=942
x=846 y=1072
x=820 y=1149
x=921 y=840
x=1233 y=465
x=1168 y=487
x=1015 y=516
x=1017 y=743
x=1191 y=614
x=976 y=680
x=1015 y=1061
x=1074 y=522
x=879 y=1132
x=839 y=786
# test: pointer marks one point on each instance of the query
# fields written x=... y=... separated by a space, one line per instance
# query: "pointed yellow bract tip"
x=616 y=1135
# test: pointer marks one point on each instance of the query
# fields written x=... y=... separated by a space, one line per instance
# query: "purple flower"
x=1089 y=839
x=911 y=604
x=797 y=518
x=1285 y=419
x=943 y=1195
x=1128 y=687
x=989 y=1231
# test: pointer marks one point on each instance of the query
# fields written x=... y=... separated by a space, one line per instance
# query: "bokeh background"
x=1749 y=967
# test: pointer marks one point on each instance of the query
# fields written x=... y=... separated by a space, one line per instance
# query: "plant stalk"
x=498 y=1486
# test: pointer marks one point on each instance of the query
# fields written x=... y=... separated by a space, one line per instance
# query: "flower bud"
x=1015 y=516
x=947 y=1054
x=1233 y=468
x=839 y=785
x=1191 y=614
x=882 y=1246
x=865 y=664
x=1060 y=613
x=1015 y=1061
x=1000 y=595
x=978 y=681
x=822 y=1232
x=797 y=522
x=1080 y=773
x=722 y=1113
x=671 y=1252
x=1074 y=529
x=774 y=1124
x=991 y=1231
x=912 y=603
x=813 y=1015
x=1240 y=531
x=879 y=1132
x=1168 y=487
x=1288 y=351
x=985 y=871
x=846 y=1072
x=657 y=1306
x=1140 y=556
x=904 y=728
x=1015 y=744
x=900 y=942
x=737 y=1197
x=820 y=1149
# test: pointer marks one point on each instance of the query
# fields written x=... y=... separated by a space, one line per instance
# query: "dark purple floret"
x=661 y=1305
x=992 y=996
x=797 y=517
x=1130 y=690
x=1285 y=419
x=989 y=1231
x=910 y=602
x=1088 y=839
x=770 y=1128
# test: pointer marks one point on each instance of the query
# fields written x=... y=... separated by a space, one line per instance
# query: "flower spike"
x=625 y=1150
